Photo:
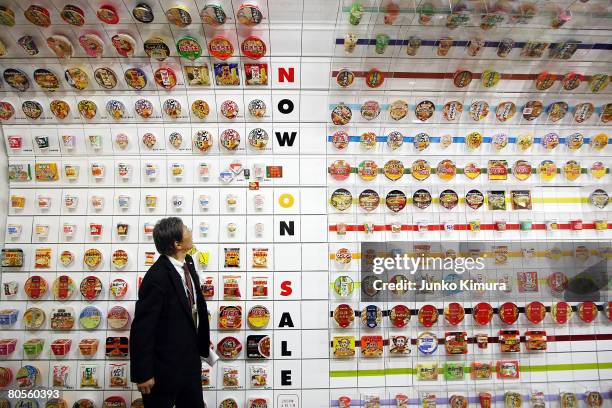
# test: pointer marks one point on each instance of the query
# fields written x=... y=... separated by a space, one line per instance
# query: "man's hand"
x=145 y=387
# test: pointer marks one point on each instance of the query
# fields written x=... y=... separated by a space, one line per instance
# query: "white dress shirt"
x=178 y=265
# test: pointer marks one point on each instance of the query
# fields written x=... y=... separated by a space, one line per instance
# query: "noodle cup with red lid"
x=220 y=48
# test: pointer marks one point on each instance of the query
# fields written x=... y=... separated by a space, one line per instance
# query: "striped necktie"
x=190 y=294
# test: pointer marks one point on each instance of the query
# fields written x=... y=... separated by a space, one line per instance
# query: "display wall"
x=287 y=135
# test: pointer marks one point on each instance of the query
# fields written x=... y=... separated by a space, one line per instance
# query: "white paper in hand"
x=212 y=358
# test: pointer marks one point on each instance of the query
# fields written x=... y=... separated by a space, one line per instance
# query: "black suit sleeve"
x=203 y=326
x=142 y=343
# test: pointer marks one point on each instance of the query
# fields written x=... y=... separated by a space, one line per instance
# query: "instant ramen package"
x=231 y=377
x=232 y=257
x=260 y=287
x=260 y=257
x=259 y=376
x=60 y=375
x=118 y=375
x=231 y=287
x=89 y=376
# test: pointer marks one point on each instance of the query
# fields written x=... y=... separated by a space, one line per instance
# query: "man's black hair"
x=166 y=232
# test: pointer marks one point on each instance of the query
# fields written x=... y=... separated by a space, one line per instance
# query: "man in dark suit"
x=170 y=330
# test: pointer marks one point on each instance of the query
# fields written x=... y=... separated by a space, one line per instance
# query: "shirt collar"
x=177 y=264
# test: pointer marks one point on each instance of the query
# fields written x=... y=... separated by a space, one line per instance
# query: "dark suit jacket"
x=164 y=342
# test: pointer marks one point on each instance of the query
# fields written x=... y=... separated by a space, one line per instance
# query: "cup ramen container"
x=28 y=44
x=177 y=201
x=122 y=229
x=69 y=230
x=525 y=225
x=414 y=43
x=8 y=317
x=122 y=140
x=444 y=46
x=177 y=170
x=151 y=171
x=392 y=12
x=528 y=253
x=485 y=400
x=123 y=169
x=204 y=171
x=259 y=201
x=482 y=340
x=500 y=225
x=33 y=347
x=123 y=201
x=552 y=225
x=71 y=172
x=562 y=17
x=396 y=228
x=204 y=227
x=426 y=13
x=97 y=171
x=204 y=201
x=259 y=228
x=42 y=142
x=17 y=202
x=44 y=203
x=422 y=226
x=97 y=202
x=88 y=347
x=475 y=47
x=71 y=201
x=15 y=142
x=41 y=230
x=14 y=230
x=344 y=402
x=382 y=41
x=505 y=46
x=475 y=225
x=61 y=347
x=355 y=13
x=259 y=170
x=69 y=141
x=8 y=346
x=231 y=228
x=350 y=42
x=95 y=230
x=95 y=141
x=576 y=225
x=150 y=201
x=600 y=225
x=231 y=201
x=148 y=229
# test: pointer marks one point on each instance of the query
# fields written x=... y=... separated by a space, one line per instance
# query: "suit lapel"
x=177 y=282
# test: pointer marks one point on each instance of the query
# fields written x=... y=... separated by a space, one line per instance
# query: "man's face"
x=187 y=243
